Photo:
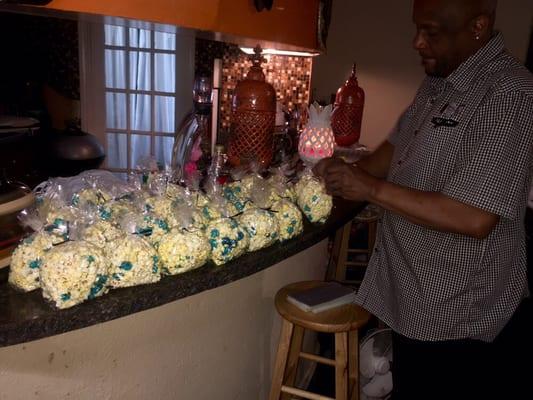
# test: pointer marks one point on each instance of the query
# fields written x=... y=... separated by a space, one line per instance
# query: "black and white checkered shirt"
x=470 y=137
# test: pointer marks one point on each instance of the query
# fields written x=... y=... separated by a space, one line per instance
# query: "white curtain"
x=166 y=107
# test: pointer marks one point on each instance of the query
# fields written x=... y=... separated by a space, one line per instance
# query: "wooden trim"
x=290 y=22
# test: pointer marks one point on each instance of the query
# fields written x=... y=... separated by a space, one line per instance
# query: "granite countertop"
x=27 y=316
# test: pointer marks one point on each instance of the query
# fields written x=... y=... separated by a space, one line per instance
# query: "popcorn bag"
x=289 y=218
x=73 y=272
x=93 y=232
x=312 y=198
x=282 y=188
x=228 y=240
x=183 y=250
x=262 y=228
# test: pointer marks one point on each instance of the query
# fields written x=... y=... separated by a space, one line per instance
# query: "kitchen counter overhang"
x=27 y=316
x=288 y=25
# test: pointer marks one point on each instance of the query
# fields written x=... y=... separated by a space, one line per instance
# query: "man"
x=448 y=273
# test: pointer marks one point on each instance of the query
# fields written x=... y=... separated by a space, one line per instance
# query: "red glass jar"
x=348 y=113
x=253 y=117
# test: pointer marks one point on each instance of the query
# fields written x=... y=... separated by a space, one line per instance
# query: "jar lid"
x=350 y=90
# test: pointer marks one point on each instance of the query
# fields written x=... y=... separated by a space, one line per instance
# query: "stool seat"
x=344 y=318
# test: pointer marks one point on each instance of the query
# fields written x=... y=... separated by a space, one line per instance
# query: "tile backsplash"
x=290 y=76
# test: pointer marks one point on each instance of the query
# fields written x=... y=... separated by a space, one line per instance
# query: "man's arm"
x=378 y=163
x=430 y=209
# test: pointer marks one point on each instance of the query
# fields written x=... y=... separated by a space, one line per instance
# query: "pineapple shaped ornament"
x=317 y=140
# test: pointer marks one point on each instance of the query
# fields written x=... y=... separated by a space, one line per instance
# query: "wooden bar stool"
x=343 y=321
x=340 y=259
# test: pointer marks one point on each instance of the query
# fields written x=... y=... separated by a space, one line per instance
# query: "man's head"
x=450 y=31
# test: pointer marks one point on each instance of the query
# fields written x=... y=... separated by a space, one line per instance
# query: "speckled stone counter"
x=27 y=316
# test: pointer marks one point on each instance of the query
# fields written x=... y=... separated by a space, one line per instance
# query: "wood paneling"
x=291 y=22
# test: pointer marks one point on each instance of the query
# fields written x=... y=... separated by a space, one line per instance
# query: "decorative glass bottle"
x=348 y=112
x=253 y=117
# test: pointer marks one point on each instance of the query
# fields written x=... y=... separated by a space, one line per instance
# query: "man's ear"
x=480 y=26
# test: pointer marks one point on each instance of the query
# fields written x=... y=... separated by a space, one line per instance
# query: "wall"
x=43 y=52
x=219 y=344
x=377 y=35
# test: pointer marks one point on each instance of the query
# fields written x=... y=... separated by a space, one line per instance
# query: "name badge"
x=448 y=115
x=439 y=121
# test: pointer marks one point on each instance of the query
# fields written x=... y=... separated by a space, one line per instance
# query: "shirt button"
x=400 y=162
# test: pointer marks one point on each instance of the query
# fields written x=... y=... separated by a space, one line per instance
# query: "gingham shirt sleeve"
x=496 y=177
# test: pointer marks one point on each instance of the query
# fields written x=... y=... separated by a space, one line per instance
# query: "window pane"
x=140 y=148
x=140 y=38
x=114 y=69
x=163 y=149
x=139 y=70
x=165 y=113
x=165 y=41
x=117 y=150
x=115 y=110
x=114 y=35
x=140 y=112
x=165 y=73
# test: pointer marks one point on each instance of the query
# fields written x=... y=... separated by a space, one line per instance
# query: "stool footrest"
x=359 y=251
x=315 y=358
x=356 y=264
x=304 y=393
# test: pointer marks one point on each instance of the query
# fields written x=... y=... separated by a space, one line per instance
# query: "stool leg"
x=341 y=366
x=342 y=257
x=353 y=364
x=332 y=265
x=292 y=361
x=281 y=359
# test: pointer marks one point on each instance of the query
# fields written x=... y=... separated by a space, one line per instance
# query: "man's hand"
x=320 y=169
x=345 y=180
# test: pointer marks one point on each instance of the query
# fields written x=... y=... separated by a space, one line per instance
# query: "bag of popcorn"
x=73 y=272
x=312 y=198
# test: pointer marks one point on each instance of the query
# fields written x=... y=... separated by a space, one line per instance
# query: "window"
x=138 y=85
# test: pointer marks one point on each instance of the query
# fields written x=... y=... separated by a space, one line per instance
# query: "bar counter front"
x=207 y=333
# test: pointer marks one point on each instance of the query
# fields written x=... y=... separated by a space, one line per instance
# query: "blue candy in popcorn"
x=228 y=240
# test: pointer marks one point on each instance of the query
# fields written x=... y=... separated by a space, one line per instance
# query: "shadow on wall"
x=379 y=41
x=377 y=36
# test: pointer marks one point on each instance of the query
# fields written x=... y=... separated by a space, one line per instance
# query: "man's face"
x=443 y=38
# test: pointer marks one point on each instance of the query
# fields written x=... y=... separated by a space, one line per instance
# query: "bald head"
x=455 y=14
x=449 y=31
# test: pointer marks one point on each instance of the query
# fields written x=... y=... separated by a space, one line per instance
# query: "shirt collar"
x=463 y=76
